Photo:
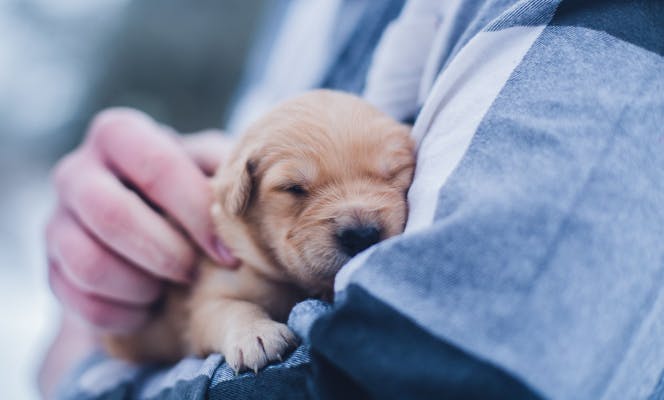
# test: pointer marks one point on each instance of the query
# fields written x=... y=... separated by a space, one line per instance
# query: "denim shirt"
x=533 y=260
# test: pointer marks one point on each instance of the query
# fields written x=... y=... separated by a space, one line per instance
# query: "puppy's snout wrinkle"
x=352 y=240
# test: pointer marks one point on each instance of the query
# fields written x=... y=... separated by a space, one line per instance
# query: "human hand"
x=133 y=205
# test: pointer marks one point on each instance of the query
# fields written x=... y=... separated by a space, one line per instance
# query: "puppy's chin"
x=314 y=272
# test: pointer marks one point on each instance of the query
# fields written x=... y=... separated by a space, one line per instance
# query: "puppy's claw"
x=259 y=344
x=291 y=341
x=237 y=364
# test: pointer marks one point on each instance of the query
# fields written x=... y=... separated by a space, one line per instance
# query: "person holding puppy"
x=531 y=265
x=112 y=247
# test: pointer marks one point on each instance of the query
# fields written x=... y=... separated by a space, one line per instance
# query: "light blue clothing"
x=533 y=260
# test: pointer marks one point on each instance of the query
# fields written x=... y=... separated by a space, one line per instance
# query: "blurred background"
x=60 y=62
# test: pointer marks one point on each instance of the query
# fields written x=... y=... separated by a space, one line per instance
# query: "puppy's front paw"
x=257 y=344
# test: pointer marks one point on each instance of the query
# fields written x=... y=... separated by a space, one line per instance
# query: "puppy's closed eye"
x=295 y=189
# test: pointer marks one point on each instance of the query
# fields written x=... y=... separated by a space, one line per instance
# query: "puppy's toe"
x=258 y=344
x=275 y=339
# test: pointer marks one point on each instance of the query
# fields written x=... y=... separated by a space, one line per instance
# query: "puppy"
x=315 y=181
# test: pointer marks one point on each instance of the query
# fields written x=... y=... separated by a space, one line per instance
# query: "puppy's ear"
x=234 y=184
x=238 y=196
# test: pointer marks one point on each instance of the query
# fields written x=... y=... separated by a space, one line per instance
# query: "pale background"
x=62 y=60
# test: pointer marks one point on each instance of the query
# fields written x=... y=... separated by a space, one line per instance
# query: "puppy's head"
x=317 y=180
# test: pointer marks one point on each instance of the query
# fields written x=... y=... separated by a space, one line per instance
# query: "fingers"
x=93 y=269
x=208 y=149
x=118 y=217
x=104 y=315
x=138 y=150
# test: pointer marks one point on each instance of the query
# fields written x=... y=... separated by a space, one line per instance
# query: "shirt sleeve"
x=532 y=262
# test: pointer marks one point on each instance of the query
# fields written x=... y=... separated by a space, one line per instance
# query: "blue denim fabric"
x=192 y=378
x=542 y=270
x=545 y=255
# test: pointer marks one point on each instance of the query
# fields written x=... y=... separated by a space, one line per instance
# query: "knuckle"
x=113 y=120
x=108 y=216
x=157 y=166
x=108 y=317
x=86 y=263
x=98 y=313
x=170 y=266
x=64 y=168
x=116 y=116
x=91 y=275
x=176 y=264
x=110 y=211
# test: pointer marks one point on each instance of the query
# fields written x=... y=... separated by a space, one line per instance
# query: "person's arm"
x=132 y=212
x=532 y=263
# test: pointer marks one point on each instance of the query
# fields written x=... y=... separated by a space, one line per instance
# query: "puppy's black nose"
x=353 y=240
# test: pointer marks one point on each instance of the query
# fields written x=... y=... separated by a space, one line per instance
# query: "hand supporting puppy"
x=316 y=180
x=108 y=247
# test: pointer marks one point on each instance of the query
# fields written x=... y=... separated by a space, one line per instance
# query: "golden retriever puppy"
x=315 y=181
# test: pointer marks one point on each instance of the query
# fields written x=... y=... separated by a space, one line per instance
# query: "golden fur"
x=314 y=166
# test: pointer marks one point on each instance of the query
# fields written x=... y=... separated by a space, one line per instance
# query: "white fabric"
x=393 y=81
x=454 y=109
x=297 y=62
x=408 y=58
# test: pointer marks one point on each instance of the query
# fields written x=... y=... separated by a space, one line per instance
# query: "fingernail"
x=225 y=255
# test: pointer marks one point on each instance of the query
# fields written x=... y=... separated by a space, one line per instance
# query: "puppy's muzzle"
x=352 y=240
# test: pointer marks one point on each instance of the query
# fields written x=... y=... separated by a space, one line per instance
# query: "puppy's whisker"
x=303 y=226
x=376 y=208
